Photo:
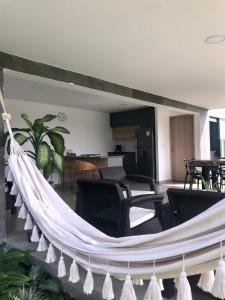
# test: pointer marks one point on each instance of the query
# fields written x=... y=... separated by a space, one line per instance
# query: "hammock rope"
x=193 y=247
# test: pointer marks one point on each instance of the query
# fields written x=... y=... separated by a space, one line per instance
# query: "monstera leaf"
x=48 y=169
x=20 y=138
x=43 y=154
x=57 y=142
x=48 y=156
x=26 y=119
x=60 y=129
x=48 y=118
x=58 y=161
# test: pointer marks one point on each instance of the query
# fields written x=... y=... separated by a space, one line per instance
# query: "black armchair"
x=118 y=174
x=102 y=204
x=186 y=204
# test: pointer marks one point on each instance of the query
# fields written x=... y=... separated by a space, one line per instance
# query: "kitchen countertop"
x=96 y=157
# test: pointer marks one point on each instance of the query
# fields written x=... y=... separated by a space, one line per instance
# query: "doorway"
x=182 y=144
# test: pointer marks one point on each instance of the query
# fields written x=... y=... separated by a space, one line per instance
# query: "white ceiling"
x=24 y=87
x=153 y=45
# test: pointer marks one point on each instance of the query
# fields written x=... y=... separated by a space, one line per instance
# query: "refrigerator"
x=145 y=155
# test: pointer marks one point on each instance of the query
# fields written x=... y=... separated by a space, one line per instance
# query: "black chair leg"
x=185 y=181
x=191 y=183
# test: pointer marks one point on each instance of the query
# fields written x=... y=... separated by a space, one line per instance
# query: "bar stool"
x=83 y=169
x=66 y=175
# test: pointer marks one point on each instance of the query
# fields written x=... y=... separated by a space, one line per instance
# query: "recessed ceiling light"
x=215 y=39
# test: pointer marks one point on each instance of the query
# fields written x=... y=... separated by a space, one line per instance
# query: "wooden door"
x=182 y=144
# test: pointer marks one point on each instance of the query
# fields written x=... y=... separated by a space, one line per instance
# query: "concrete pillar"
x=202 y=135
x=2 y=172
x=163 y=164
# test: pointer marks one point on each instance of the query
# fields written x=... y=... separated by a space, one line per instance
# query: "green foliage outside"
x=19 y=279
x=47 y=143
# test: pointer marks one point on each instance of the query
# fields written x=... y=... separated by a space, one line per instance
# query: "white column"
x=202 y=136
x=163 y=164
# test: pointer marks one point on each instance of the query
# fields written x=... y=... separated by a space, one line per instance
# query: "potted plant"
x=47 y=143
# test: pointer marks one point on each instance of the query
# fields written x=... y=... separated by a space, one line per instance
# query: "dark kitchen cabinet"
x=144 y=118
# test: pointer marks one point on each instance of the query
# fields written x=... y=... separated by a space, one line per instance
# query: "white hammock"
x=197 y=240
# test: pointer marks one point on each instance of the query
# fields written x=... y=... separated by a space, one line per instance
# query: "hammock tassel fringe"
x=184 y=288
x=88 y=283
x=206 y=281
x=10 y=176
x=138 y=281
x=42 y=246
x=19 y=201
x=14 y=189
x=29 y=224
x=107 y=290
x=218 y=289
x=35 y=235
x=128 y=292
x=61 y=267
x=154 y=290
x=74 y=276
x=51 y=257
x=160 y=283
x=22 y=213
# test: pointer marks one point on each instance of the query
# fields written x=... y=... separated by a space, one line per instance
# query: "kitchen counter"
x=99 y=161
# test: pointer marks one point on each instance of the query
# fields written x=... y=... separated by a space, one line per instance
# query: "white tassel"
x=138 y=281
x=88 y=283
x=184 y=289
x=42 y=246
x=22 y=213
x=10 y=176
x=107 y=290
x=128 y=292
x=61 y=267
x=19 y=200
x=6 y=188
x=74 y=272
x=29 y=224
x=51 y=257
x=14 y=190
x=35 y=235
x=160 y=283
x=206 y=281
x=154 y=290
x=176 y=282
x=218 y=289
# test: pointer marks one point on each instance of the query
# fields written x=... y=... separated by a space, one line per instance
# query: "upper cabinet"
x=144 y=118
x=124 y=132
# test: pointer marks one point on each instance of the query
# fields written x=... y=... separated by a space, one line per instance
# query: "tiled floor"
x=16 y=237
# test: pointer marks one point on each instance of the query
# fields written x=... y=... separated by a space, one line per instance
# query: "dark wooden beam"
x=2 y=170
x=27 y=66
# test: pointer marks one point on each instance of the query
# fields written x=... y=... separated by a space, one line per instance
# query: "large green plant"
x=19 y=277
x=47 y=143
x=27 y=294
x=12 y=270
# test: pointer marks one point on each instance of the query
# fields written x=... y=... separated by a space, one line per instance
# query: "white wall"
x=163 y=144
x=89 y=130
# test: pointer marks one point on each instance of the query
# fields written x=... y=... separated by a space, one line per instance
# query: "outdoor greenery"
x=27 y=294
x=19 y=279
x=208 y=187
x=47 y=143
